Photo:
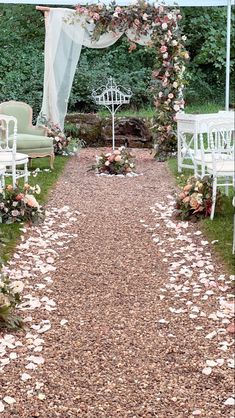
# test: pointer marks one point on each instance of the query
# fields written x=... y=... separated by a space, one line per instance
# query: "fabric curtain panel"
x=63 y=46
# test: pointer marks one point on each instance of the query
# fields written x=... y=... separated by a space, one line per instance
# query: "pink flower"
x=118 y=9
x=118 y=158
x=163 y=49
x=96 y=16
x=31 y=201
x=132 y=47
x=170 y=95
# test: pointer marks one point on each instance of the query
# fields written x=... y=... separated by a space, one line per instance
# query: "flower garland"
x=162 y=23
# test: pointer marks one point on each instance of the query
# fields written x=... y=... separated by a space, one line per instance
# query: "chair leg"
x=214 y=188
x=52 y=157
x=226 y=185
x=26 y=176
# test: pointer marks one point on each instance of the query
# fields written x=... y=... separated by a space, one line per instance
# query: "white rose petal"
x=25 y=377
x=9 y=400
x=207 y=371
x=2 y=407
x=63 y=322
x=230 y=402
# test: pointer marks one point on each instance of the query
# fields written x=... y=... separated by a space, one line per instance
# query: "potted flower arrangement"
x=195 y=199
x=119 y=161
x=19 y=204
x=9 y=299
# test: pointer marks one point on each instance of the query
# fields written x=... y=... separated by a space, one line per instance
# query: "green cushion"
x=32 y=142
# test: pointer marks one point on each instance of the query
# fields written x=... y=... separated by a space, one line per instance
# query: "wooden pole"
x=46 y=11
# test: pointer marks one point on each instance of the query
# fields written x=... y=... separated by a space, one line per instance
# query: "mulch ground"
x=126 y=310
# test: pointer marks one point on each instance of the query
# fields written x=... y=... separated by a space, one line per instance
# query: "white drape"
x=63 y=45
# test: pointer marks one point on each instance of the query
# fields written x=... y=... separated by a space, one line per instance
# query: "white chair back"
x=7 y=125
x=221 y=136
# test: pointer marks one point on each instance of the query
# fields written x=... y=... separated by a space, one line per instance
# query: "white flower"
x=164 y=26
x=132 y=165
x=175 y=84
x=160 y=94
x=184 y=37
x=176 y=107
x=107 y=163
x=165 y=56
x=37 y=189
x=174 y=42
x=17 y=286
x=145 y=16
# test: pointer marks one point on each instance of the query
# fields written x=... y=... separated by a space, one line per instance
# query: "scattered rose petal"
x=9 y=400
x=230 y=402
x=207 y=371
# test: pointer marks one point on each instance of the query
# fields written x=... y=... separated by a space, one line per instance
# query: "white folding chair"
x=9 y=158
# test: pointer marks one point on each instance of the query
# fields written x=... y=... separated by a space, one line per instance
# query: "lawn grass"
x=9 y=234
x=221 y=228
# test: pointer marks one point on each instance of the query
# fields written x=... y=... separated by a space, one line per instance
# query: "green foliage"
x=128 y=69
x=21 y=44
x=206 y=41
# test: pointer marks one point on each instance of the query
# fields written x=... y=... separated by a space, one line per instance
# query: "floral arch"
x=98 y=26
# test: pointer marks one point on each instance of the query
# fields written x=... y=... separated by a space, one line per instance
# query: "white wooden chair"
x=219 y=139
x=221 y=168
x=192 y=132
x=9 y=158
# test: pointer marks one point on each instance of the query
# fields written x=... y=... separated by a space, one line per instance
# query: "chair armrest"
x=36 y=130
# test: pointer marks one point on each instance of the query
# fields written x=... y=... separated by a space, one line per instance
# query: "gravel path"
x=126 y=309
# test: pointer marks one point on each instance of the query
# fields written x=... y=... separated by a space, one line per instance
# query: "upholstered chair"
x=31 y=140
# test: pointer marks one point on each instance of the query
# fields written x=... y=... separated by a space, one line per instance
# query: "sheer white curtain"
x=63 y=43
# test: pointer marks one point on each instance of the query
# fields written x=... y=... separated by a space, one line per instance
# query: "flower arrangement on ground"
x=119 y=161
x=20 y=205
x=195 y=199
x=9 y=299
